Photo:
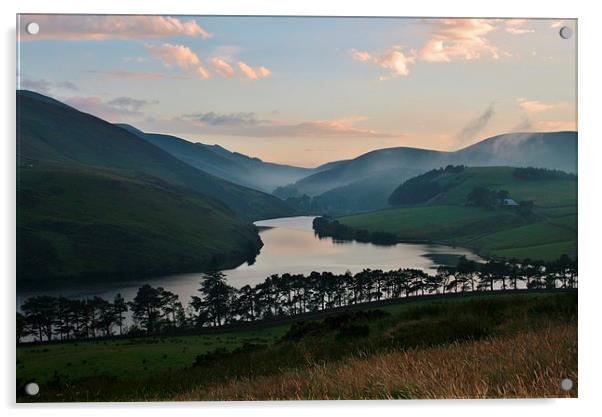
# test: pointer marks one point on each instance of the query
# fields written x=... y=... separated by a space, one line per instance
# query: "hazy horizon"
x=305 y=91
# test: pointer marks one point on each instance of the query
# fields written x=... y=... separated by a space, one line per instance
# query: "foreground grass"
x=128 y=359
x=529 y=364
x=534 y=333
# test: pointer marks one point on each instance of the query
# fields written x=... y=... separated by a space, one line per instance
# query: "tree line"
x=325 y=226
x=157 y=311
x=539 y=174
x=422 y=188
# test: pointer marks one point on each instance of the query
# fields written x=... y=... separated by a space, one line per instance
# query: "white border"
x=590 y=205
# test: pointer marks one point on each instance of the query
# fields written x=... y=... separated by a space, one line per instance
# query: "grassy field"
x=127 y=359
x=489 y=368
x=273 y=362
x=548 y=234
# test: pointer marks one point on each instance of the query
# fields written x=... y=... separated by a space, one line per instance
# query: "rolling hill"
x=93 y=224
x=441 y=214
x=50 y=131
x=97 y=203
x=376 y=163
x=364 y=183
x=231 y=166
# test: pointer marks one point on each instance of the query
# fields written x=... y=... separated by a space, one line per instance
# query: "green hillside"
x=454 y=187
x=90 y=224
x=440 y=213
x=49 y=131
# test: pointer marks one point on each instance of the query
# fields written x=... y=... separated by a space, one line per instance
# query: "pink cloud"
x=179 y=56
x=459 y=39
x=201 y=72
x=253 y=73
x=98 y=27
x=174 y=55
x=536 y=106
x=517 y=26
x=395 y=60
x=557 y=24
x=450 y=39
x=361 y=55
x=222 y=67
x=555 y=125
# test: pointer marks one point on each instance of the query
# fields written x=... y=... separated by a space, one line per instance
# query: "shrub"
x=353 y=331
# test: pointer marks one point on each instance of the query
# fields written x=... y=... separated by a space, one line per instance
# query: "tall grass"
x=484 y=347
x=529 y=364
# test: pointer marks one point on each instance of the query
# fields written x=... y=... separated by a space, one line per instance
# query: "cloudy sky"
x=305 y=91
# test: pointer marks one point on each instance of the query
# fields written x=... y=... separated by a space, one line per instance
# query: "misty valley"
x=127 y=238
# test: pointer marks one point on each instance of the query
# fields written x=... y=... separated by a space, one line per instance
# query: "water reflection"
x=289 y=246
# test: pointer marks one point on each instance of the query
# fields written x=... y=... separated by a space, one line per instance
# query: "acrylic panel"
x=289 y=208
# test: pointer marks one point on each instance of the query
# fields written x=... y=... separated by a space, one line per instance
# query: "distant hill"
x=453 y=184
x=364 y=183
x=435 y=207
x=232 y=166
x=369 y=164
x=552 y=150
x=366 y=194
x=96 y=224
x=50 y=131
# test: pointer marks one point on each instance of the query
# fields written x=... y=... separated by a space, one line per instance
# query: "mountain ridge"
x=51 y=133
x=232 y=166
x=330 y=189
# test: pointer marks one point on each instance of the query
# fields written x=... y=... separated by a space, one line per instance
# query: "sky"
x=305 y=91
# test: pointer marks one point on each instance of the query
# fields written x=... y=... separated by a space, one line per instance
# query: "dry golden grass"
x=527 y=365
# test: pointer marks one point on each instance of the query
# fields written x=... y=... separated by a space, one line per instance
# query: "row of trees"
x=325 y=226
x=422 y=188
x=538 y=174
x=155 y=310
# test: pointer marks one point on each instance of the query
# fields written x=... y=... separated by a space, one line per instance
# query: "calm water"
x=289 y=246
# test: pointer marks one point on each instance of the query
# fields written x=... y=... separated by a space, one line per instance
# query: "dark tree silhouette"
x=120 y=307
x=147 y=307
x=215 y=298
x=156 y=310
x=22 y=328
x=41 y=312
